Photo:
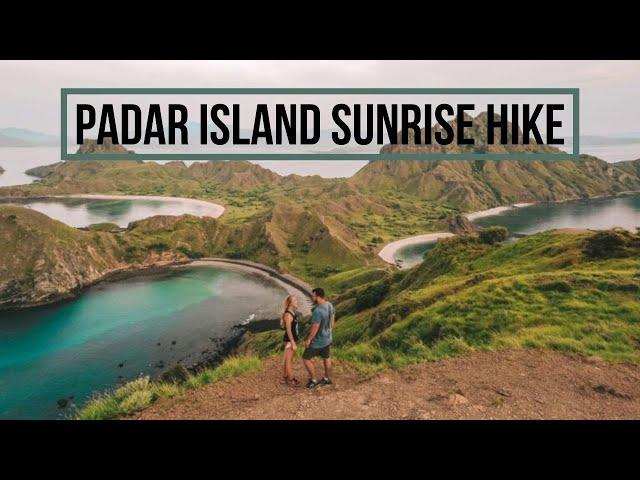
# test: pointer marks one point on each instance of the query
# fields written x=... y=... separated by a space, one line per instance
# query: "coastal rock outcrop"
x=43 y=260
x=460 y=225
x=43 y=170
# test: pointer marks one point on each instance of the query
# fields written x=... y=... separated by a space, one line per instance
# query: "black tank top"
x=294 y=326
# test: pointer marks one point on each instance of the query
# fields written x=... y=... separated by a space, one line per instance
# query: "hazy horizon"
x=30 y=90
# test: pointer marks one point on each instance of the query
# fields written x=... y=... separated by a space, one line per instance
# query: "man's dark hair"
x=319 y=292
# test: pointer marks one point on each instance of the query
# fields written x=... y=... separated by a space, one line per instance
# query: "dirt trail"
x=517 y=384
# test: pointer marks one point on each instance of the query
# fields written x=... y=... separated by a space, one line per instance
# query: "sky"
x=609 y=100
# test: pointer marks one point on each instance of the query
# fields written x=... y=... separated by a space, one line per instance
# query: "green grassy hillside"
x=42 y=260
x=351 y=218
x=474 y=185
x=573 y=292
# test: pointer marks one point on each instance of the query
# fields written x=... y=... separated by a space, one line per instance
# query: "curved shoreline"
x=293 y=285
x=388 y=252
x=214 y=209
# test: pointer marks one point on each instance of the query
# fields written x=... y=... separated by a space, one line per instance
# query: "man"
x=318 y=344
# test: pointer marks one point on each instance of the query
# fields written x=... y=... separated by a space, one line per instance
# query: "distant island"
x=22 y=137
x=604 y=140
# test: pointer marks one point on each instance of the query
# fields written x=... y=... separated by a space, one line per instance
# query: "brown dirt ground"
x=516 y=384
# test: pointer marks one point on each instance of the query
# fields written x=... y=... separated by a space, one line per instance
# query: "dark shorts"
x=324 y=352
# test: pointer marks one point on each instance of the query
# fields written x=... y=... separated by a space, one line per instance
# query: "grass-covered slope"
x=384 y=201
x=575 y=292
x=42 y=260
x=315 y=227
x=474 y=185
x=139 y=394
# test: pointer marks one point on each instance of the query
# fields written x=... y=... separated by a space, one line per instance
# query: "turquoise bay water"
x=80 y=212
x=75 y=348
x=599 y=213
x=412 y=255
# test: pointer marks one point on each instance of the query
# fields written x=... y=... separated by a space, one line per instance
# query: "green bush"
x=188 y=252
x=492 y=235
x=157 y=247
x=371 y=296
x=607 y=244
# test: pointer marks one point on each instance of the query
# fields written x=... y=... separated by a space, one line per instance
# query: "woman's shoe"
x=294 y=382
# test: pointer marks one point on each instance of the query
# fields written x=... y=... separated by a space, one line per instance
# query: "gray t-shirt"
x=322 y=314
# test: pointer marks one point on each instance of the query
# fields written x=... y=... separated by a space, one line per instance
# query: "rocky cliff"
x=91 y=145
x=473 y=185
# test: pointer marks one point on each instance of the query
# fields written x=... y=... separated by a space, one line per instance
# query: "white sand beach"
x=388 y=252
x=522 y=205
x=489 y=212
x=212 y=209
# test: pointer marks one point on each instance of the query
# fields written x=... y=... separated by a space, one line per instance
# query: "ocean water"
x=74 y=348
x=598 y=213
x=80 y=212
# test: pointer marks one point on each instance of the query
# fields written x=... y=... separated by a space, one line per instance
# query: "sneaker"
x=325 y=381
x=311 y=384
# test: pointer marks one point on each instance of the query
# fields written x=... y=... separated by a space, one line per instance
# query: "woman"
x=289 y=321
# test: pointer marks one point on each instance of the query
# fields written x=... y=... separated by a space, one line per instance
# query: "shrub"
x=607 y=244
x=493 y=235
x=178 y=374
x=130 y=253
x=371 y=296
x=188 y=252
x=380 y=322
x=157 y=247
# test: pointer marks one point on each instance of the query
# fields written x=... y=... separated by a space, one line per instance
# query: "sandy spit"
x=213 y=209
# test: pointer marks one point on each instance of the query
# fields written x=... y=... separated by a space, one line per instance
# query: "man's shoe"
x=325 y=381
x=311 y=384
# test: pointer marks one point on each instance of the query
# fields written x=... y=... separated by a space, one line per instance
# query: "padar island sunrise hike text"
x=293 y=124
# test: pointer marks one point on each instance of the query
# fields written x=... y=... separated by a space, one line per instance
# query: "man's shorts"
x=324 y=352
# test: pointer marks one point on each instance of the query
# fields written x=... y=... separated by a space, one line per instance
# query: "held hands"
x=294 y=347
x=307 y=342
